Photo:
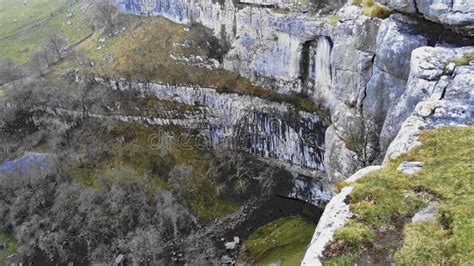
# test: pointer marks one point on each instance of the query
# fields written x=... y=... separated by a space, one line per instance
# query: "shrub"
x=464 y=60
x=376 y=11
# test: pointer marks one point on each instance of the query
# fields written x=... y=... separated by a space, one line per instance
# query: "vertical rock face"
x=251 y=124
x=390 y=73
x=371 y=69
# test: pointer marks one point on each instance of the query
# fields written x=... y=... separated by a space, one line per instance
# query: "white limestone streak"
x=323 y=63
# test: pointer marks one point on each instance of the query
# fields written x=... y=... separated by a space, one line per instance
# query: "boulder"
x=427 y=214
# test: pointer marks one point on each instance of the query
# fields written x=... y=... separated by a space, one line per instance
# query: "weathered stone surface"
x=335 y=216
x=427 y=214
x=266 y=43
x=426 y=77
x=450 y=12
x=392 y=67
x=31 y=165
x=455 y=14
x=363 y=172
x=410 y=168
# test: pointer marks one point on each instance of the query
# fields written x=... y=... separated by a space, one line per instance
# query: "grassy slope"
x=18 y=40
x=285 y=239
x=11 y=246
x=388 y=199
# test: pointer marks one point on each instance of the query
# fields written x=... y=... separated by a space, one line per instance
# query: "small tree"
x=55 y=45
x=106 y=14
x=37 y=64
x=10 y=72
x=363 y=139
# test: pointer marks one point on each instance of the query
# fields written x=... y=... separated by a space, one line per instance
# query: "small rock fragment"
x=410 y=168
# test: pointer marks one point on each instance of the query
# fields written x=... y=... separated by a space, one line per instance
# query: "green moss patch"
x=284 y=240
x=372 y=9
x=354 y=233
x=383 y=202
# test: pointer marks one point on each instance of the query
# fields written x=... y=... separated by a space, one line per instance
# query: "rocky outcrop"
x=442 y=93
x=241 y=122
x=30 y=166
x=428 y=75
x=367 y=86
x=268 y=43
x=455 y=14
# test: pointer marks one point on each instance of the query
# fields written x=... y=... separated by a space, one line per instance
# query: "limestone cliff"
x=370 y=73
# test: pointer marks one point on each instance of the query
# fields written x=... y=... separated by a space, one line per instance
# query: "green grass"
x=18 y=40
x=388 y=198
x=14 y=15
x=11 y=243
x=345 y=260
x=354 y=233
x=285 y=239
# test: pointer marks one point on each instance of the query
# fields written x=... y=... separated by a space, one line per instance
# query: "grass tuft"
x=354 y=233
